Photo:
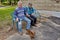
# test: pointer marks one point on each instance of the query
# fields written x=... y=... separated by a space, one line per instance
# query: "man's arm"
x=33 y=10
x=15 y=15
x=25 y=12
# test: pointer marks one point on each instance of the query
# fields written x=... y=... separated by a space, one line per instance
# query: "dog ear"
x=32 y=34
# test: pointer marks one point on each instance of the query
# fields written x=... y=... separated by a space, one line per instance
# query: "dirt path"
x=4 y=35
x=46 y=30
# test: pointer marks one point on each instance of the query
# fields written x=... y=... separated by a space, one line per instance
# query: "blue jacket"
x=30 y=10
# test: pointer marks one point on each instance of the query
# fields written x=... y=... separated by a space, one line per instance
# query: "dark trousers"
x=33 y=20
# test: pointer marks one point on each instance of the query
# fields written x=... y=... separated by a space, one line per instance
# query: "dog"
x=31 y=34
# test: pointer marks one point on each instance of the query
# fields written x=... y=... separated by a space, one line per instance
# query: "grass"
x=5 y=15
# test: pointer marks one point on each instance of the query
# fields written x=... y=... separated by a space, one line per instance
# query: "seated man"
x=30 y=10
x=19 y=14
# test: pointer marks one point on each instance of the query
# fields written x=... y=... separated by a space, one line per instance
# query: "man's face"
x=29 y=5
x=20 y=4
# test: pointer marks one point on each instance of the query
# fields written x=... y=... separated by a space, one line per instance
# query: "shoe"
x=34 y=25
x=21 y=33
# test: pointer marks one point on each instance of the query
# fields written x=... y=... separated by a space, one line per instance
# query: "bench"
x=15 y=24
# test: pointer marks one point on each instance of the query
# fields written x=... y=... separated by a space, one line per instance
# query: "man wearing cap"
x=30 y=10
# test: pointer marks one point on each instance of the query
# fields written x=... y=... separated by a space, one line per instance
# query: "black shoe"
x=32 y=25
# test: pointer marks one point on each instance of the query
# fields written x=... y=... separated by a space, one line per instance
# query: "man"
x=30 y=10
x=20 y=16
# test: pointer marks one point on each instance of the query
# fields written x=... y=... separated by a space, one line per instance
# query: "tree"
x=1 y=1
x=10 y=2
x=15 y=1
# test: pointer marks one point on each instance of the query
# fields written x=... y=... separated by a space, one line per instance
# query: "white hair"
x=19 y=2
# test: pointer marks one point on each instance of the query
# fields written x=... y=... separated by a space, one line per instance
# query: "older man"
x=20 y=16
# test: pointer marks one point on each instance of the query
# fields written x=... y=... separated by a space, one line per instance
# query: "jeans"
x=33 y=19
x=20 y=23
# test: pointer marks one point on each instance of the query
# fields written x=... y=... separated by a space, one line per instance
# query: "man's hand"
x=16 y=19
x=32 y=14
x=27 y=15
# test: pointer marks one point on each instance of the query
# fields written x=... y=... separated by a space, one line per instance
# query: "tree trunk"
x=0 y=2
x=10 y=2
x=14 y=1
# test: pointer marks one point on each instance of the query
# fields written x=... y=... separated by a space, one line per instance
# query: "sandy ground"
x=4 y=34
x=47 y=30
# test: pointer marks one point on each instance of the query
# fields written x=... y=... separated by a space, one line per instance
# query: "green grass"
x=5 y=16
x=5 y=13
